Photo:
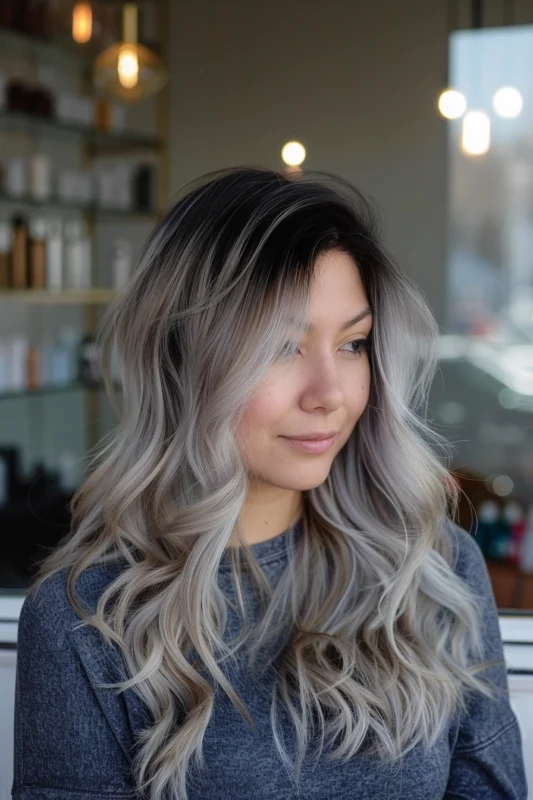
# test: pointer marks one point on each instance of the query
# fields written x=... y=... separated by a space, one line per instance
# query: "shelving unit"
x=89 y=210
x=69 y=296
x=82 y=143
x=111 y=140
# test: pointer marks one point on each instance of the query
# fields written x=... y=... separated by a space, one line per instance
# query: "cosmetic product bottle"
x=38 y=254
x=120 y=263
x=54 y=255
x=19 y=362
x=77 y=256
x=89 y=363
x=69 y=340
x=5 y=249
x=45 y=362
x=19 y=253
x=40 y=177
x=33 y=372
x=144 y=188
x=59 y=365
x=15 y=176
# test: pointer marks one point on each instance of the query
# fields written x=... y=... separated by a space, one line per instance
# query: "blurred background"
x=107 y=108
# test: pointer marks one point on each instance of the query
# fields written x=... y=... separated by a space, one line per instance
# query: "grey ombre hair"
x=383 y=638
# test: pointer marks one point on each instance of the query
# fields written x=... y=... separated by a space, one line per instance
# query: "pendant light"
x=451 y=103
x=127 y=69
x=82 y=22
x=507 y=101
x=476 y=126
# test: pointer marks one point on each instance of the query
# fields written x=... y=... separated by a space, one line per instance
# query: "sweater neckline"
x=271 y=549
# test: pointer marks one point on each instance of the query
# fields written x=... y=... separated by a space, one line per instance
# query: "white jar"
x=54 y=254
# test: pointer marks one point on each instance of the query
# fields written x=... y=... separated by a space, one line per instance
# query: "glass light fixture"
x=127 y=69
x=293 y=154
x=475 y=140
x=82 y=22
x=452 y=104
x=507 y=102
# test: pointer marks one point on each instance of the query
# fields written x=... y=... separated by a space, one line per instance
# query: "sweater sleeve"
x=487 y=758
x=64 y=745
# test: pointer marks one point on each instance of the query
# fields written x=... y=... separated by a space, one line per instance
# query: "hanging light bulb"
x=128 y=69
x=293 y=154
x=452 y=104
x=82 y=22
x=507 y=102
x=475 y=140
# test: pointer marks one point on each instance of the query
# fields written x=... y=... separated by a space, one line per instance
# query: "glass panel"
x=483 y=397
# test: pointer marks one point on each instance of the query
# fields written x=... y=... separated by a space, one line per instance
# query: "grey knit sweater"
x=74 y=741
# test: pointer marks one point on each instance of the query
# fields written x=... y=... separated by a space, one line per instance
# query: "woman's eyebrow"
x=306 y=327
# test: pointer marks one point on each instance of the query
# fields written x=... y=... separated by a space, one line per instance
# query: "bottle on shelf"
x=89 y=361
x=37 y=249
x=19 y=362
x=5 y=249
x=144 y=188
x=77 y=256
x=54 y=254
x=19 y=253
x=15 y=176
x=40 y=177
x=33 y=368
x=68 y=340
x=120 y=263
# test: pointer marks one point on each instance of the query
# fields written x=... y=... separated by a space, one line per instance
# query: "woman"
x=283 y=618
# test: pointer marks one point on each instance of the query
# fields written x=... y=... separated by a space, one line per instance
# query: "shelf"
x=64 y=205
x=95 y=137
x=22 y=44
x=66 y=296
x=74 y=386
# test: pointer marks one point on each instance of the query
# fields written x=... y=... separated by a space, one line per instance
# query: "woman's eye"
x=358 y=348
x=362 y=345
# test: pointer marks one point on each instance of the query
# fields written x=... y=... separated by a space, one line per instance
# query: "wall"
x=355 y=82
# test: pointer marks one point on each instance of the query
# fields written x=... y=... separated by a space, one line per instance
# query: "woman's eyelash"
x=291 y=348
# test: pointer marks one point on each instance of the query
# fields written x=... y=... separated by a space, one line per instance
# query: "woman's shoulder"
x=48 y=606
x=468 y=560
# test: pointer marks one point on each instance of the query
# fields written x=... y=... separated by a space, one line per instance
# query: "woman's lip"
x=310 y=445
x=312 y=438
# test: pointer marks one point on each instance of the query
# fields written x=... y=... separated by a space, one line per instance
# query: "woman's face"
x=323 y=386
